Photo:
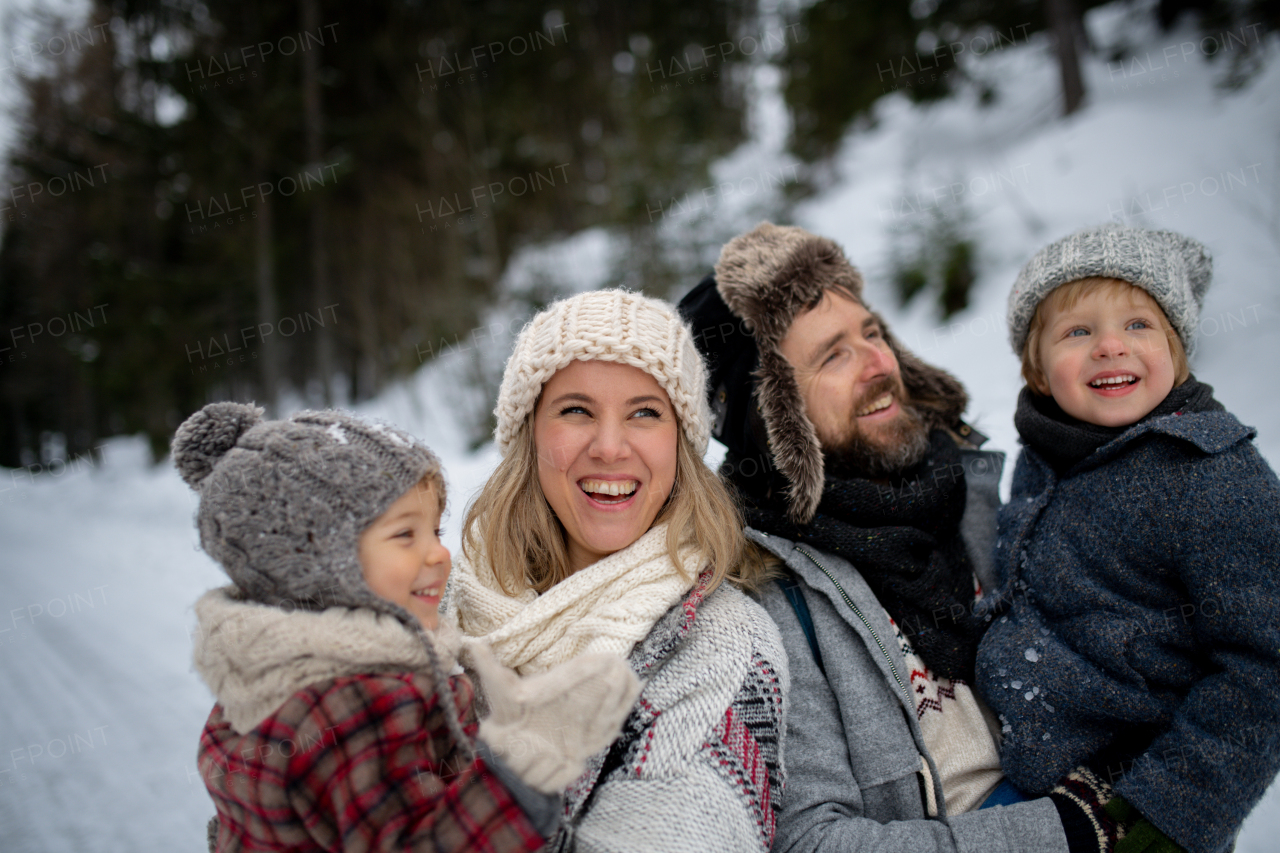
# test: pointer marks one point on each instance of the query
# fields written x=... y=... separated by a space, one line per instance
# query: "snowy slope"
x=99 y=566
x=1160 y=149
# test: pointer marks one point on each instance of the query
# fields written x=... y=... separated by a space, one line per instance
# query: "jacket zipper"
x=847 y=600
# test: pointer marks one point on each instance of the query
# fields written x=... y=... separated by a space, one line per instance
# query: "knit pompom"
x=206 y=436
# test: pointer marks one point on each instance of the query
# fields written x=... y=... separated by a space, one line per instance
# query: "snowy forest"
x=267 y=199
x=312 y=203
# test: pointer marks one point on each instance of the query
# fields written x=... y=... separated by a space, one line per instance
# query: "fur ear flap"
x=768 y=277
x=793 y=442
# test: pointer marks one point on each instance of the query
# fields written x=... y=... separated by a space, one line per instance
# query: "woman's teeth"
x=427 y=592
x=1113 y=380
x=883 y=403
x=608 y=488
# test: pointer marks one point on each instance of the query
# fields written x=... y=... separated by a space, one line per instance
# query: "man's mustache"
x=883 y=385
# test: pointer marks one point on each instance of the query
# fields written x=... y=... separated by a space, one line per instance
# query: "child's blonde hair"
x=1066 y=297
x=435 y=480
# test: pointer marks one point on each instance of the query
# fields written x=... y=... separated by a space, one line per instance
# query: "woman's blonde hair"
x=512 y=523
x=1066 y=297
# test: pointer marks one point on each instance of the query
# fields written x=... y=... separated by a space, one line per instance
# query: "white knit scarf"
x=608 y=606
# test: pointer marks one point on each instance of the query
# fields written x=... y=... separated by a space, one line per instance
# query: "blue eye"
x=1072 y=333
x=1139 y=324
x=574 y=410
x=646 y=413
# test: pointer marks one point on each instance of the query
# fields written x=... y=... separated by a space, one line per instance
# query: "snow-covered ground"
x=99 y=563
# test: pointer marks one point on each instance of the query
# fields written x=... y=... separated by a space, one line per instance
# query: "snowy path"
x=102 y=712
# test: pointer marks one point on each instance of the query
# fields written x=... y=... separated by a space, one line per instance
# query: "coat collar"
x=1210 y=432
x=670 y=630
x=851 y=598
x=255 y=656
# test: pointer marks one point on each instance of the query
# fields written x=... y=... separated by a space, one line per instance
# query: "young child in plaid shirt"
x=338 y=725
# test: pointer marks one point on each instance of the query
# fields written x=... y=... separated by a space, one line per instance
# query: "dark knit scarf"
x=903 y=536
x=1064 y=441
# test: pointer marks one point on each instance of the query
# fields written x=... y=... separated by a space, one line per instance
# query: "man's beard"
x=896 y=447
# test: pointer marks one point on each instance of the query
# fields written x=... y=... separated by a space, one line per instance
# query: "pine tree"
x=306 y=196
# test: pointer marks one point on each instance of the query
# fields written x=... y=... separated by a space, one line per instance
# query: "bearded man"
x=875 y=505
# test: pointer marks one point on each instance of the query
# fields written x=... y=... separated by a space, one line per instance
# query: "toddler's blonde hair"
x=1065 y=298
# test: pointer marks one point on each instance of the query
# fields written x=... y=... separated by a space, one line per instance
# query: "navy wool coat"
x=1137 y=625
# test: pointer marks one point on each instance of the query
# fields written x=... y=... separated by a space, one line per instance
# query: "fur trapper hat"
x=283 y=503
x=606 y=325
x=1174 y=269
x=763 y=281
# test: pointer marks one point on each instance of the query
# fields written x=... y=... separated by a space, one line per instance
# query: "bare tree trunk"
x=267 y=308
x=365 y=380
x=265 y=286
x=487 y=233
x=313 y=119
x=1063 y=21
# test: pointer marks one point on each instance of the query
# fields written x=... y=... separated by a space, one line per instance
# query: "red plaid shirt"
x=359 y=763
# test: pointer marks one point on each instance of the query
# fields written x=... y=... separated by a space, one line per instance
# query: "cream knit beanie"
x=606 y=325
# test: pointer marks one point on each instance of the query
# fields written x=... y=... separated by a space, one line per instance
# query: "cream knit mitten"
x=544 y=727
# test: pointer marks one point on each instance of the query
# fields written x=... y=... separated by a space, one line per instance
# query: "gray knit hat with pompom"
x=1174 y=269
x=283 y=503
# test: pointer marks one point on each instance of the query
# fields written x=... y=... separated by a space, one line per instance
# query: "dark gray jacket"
x=853 y=747
x=1144 y=631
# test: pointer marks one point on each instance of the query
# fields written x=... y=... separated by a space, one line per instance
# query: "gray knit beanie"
x=1174 y=269
x=283 y=503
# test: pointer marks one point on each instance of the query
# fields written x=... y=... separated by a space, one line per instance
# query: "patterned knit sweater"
x=698 y=764
x=958 y=731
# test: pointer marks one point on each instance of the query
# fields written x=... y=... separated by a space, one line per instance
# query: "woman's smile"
x=610 y=495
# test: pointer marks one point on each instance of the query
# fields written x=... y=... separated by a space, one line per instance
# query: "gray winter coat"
x=853 y=747
x=1145 y=590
